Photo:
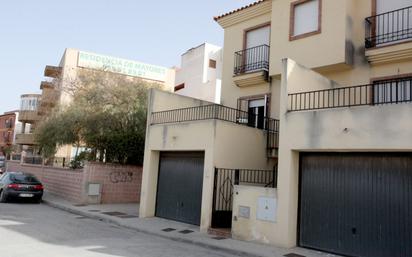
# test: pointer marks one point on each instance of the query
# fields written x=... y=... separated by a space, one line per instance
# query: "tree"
x=107 y=114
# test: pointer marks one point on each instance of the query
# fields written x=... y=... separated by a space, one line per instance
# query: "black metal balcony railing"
x=220 y=112
x=252 y=59
x=388 y=27
x=383 y=92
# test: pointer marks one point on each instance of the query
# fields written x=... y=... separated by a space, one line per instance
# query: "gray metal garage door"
x=356 y=204
x=179 y=189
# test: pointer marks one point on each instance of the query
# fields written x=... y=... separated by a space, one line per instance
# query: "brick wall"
x=119 y=183
x=61 y=182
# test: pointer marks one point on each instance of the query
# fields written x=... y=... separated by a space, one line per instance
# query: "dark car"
x=19 y=185
x=2 y=164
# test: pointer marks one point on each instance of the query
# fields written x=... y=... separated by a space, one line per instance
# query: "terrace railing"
x=219 y=112
x=389 y=27
x=383 y=92
x=252 y=59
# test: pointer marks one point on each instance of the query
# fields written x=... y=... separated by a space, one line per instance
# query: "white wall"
x=253 y=228
x=201 y=81
x=17 y=127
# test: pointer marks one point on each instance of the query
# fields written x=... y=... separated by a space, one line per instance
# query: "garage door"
x=179 y=189
x=356 y=204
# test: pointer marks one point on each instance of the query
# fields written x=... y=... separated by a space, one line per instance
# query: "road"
x=37 y=230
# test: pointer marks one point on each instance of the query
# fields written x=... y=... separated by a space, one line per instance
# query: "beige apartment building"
x=60 y=79
x=311 y=145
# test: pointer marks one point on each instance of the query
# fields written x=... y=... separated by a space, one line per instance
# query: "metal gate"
x=179 y=187
x=356 y=204
x=224 y=180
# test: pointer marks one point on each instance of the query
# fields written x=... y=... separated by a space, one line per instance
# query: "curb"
x=177 y=239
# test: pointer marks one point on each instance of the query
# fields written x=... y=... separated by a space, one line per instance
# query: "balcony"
x=50 y=97
x=384 y=34
x=28 y=116
x=223 y=113
x=394 y=91
x=25 y=139
x=46 y=84
x=251 y=66
x=52 y=71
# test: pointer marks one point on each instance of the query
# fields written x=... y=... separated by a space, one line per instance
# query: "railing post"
x=275 y=177
x=214 y=192
x=237 y=177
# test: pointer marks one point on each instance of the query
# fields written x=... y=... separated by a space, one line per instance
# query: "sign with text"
x=122 y=66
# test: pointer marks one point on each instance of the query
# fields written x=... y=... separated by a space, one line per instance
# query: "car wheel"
x=37 y=200
x=3 y=197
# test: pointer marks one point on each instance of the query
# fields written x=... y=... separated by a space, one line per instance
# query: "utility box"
x=93 y=191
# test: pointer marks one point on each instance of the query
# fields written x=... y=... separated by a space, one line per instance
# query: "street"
x=34 y=230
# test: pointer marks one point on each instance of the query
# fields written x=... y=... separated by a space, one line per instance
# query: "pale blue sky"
x=34 y=33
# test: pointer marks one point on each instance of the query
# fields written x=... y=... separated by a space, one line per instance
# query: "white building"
x=200 y=73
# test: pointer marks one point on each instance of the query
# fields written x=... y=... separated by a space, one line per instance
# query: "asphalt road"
x=37 y=230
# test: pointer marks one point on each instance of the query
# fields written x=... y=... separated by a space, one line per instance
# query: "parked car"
x=2 y=164
x=19 y=185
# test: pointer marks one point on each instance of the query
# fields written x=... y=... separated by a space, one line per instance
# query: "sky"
x=34 y=34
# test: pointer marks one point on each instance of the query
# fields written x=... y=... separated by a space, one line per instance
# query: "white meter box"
x=266 y=209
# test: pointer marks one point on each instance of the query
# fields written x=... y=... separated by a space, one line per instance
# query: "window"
x=212 y=64
x=257 y=113
x=256 y=107
x=305 y=18
x=257 y=36
x=179 y=87
x=383 y=6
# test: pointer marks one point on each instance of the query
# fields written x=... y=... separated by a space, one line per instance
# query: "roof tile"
x=239 y=9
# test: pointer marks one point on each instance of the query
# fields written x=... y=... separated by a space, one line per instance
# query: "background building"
x=64 y=77
x=9 y=127
x=200 y=73
x=28 y=117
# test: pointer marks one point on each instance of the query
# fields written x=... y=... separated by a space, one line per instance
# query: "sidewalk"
x=126 y=216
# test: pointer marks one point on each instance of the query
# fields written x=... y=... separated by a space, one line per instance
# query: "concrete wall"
x=252 y=228
x=119 y=184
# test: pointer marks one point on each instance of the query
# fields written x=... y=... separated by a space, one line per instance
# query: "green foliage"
x=107 y=114
x=78 y=161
